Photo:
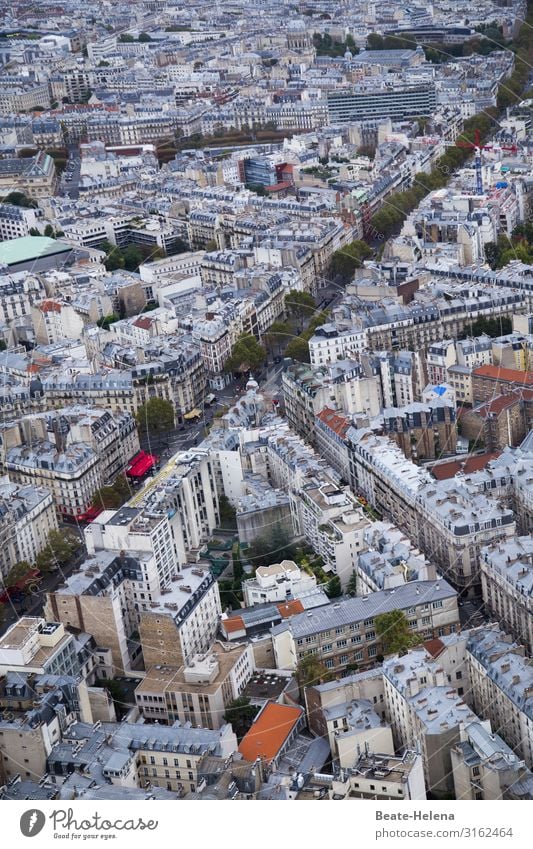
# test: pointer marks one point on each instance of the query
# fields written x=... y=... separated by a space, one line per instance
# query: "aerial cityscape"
x=266 y=400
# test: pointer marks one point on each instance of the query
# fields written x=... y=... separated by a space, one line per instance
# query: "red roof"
x=235 y=623
x=336 y=422
x=143 y=323
x=434 y=647
x=269 y=731
x=291 y=608
x=50 y=306
x=278 y=187
x=502 y=402
x=444 y=471
x=508 y=375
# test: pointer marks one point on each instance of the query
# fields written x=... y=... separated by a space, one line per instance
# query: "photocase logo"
x=32 y=822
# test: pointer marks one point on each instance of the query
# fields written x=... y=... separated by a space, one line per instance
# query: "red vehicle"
x=32 y=577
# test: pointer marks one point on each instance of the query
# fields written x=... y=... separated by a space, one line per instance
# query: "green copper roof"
x=30 y=247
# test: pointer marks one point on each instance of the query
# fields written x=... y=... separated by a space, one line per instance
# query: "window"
x=475 y=770
x=341 y=644
x=329 y=664
x=372 y=651
x=437 y=604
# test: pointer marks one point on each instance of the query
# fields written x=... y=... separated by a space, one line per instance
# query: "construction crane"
x=477 y=146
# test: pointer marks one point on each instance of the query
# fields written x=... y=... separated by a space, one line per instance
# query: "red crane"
x=478 y=147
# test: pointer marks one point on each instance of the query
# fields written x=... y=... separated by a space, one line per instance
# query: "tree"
x=271 y=548
x=143 y=36
x=346 y=260
x=49 y=231
x=351 y=587
x=240 y=713
x=58 y=550
x=20 y=199
x=298 y=349
x=21 y=568
x=156 y=416
x=106 y=320
x=133 y=256
x=311 y=670
x=299 y=305
x=113 y=496
x=278 y=335
x=228 y=514
x=126 y=38
x=211 y=245
x=393 y=632
x=247 y=355
x=333 y=588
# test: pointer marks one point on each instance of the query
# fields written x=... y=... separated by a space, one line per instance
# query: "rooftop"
x=269 y=731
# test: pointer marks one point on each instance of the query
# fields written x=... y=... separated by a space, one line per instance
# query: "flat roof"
x=30 y=247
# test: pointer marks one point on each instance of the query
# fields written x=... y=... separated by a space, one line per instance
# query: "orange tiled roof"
x=434 y=647
x=50 y=306
x=338 y=423
x=290 y=608
x=509 y=375
x=444 y=471
x=234 y=623
x=269 y=731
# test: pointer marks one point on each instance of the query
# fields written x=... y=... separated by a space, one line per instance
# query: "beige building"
x=506 y=584
x=199 y=692
x=382 y=777
x=484 y=767
x=71 y=474
x=277 y=582
x=35 y=176
x=27 y=515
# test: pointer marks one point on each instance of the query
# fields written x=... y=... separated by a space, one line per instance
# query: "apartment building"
x=364 y=103
x=382 y=777
x=133 y=755
x=277 y=583
x=34 y=646
x=71 y=473
x=485 y=768
x=332 y=521
x=16 y=221
x=389 y=559
x=27 y=515
x=424 y=709
x=35 y=176
x=422 y=431
x=343 y=632
x=54 y=320
x=113 y=437
x=501 y=685
x=331 y=428
x=489 y=381
x=198 y=692
x=506 y=584
x=449 y=520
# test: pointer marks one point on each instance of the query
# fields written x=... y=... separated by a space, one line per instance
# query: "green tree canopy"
x=58 y=550
x=240 y=713
x=113 y=496
x=21 y=568
x=299 y=305
x=298 y=349
x=311 y=670
x=393 y=631
x=20 y=199
x=346 y=260
x=278 y=335
x=247 y=355
x=270 y=547
x=333 y=587
x=156 y=416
